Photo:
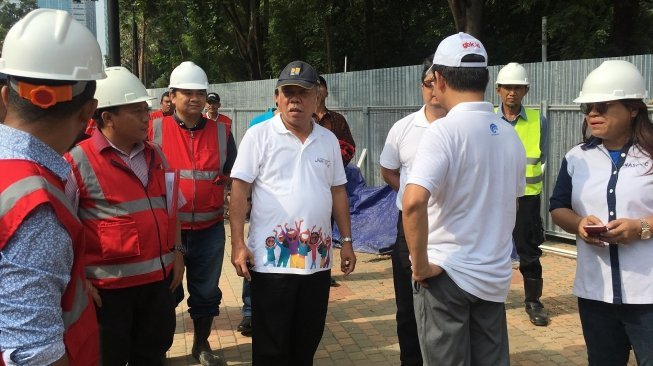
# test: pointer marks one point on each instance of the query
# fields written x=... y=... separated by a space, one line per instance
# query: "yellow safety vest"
x=529 y=133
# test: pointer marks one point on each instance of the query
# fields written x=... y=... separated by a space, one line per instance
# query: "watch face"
x=646 y=234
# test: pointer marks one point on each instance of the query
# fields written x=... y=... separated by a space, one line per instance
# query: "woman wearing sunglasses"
x=604 y=195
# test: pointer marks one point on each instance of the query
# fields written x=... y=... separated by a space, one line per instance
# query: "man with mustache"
x=528 y=234
x=286 y=162
x=130 y=235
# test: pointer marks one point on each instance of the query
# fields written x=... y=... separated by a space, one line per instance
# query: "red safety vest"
x=127 y=226
x=25 y=185
x=200 y=157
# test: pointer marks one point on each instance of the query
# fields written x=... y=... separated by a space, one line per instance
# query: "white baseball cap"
x=454 y=48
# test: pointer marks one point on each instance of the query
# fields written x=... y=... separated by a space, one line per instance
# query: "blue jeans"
x=247 y=299
x=611 y=329
x=203 y=259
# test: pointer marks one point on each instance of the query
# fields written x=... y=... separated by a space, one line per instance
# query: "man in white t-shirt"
x=294 y=170
x=472 y=164
x=396 y=161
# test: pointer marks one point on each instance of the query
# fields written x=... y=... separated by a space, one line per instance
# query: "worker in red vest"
x=46 y=313
x=203 y=151
x=129 y=225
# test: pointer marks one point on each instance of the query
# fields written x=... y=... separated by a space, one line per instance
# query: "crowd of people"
x=101 y=221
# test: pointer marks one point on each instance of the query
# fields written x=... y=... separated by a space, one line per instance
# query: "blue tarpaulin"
x=373 y=214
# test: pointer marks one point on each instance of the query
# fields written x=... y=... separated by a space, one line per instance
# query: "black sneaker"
x=245 y=326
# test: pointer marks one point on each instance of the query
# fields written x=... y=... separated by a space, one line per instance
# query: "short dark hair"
x=97 y=115
x=322 y=81
x=467 y=79
x=426 y=65
x=61 y=110
x=165 y=94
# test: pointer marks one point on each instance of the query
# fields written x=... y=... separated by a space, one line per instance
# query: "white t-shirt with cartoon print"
x=290 y=223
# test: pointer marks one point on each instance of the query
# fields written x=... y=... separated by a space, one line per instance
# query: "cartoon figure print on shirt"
x=295 y=245
x=270 y=244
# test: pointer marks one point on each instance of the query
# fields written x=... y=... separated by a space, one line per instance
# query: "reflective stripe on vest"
x=199 y=216
x=128 y=270
x=529 y=130
x=157 y=131
x=529 y=133
x=164 y=161
x=25 y=186
x=198 y=174
x=103 y=210
x=157 y=137
x=79 y=304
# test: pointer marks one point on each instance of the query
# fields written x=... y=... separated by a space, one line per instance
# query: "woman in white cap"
x=604 y=195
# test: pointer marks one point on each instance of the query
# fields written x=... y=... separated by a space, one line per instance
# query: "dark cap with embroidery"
x=298 y=73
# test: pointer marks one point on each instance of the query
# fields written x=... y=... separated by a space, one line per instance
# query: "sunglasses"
x=599 y=108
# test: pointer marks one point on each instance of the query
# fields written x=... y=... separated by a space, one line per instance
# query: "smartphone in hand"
x=595 y=230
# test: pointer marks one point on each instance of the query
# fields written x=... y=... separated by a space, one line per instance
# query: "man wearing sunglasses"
x=396 y=162
x=528 y=234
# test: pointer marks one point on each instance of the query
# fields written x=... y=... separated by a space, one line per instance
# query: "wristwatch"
x=646 y=230
x=180 y=248
x=346 y=239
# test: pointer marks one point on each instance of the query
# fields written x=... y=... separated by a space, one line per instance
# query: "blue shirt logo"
x=494 y=129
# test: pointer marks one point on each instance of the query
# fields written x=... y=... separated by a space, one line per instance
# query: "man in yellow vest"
x=512 y=85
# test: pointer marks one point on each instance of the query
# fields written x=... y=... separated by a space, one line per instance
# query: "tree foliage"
x=11 y=12
x=234 y=40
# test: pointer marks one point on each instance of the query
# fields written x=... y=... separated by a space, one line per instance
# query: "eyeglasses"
x=428 y=84
x=599 y=108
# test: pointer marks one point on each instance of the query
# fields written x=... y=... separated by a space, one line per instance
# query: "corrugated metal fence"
x=373 y=100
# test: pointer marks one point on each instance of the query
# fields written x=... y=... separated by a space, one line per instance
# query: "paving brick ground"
x=360 y=327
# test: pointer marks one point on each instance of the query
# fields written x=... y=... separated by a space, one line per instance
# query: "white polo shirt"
x=291 y=194
x=590 y=171
x=401 y=146
x=473 y=163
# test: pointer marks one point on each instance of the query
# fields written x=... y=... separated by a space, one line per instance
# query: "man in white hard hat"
x=130 y=232
x=46 y=313
x=293 y=167
x=203 y=150
x=396 y=162
x=512 y=86
x=471 y=164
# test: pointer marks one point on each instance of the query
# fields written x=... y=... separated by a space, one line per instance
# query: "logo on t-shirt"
x=494 y=129
x=324 y=161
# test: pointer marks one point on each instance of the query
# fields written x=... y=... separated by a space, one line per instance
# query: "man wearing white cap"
x=472 y=164
x=130 y=235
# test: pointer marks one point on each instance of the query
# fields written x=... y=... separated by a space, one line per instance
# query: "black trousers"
x=409 y=350
x=137 y=324
x=528 y=234
x=288 y=315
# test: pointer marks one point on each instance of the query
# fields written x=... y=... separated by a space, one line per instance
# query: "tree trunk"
x=624 y=19
x=369 y=33
x=467 y=16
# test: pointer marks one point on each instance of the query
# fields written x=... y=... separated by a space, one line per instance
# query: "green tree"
x=11 y=12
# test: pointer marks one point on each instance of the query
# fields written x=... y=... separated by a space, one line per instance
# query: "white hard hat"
x=512 y=74
x=613 y=80
x=188 y=76
x=49 y=44
x=119 y=88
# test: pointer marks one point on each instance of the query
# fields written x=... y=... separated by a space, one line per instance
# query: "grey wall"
x=373 y=100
